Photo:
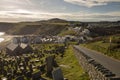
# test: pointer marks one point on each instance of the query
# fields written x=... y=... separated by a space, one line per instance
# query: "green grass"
x=104 y=48
x=67 y=32
x=37 y=28
x=70 y=66
x=99 y=46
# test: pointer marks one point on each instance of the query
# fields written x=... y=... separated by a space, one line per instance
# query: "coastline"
x=6 y=41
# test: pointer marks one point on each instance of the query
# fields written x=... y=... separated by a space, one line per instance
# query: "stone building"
x=26 y=48
x=18 y=49
x=13 y=49
x=37 y=40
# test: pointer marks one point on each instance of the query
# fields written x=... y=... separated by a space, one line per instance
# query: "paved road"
x=109 y=63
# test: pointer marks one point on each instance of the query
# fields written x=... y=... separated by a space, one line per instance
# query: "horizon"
x=70 y=10
x=55 y=18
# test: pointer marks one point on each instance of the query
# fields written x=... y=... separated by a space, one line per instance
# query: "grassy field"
x=104 y=47
x=67 y=32
x=70 y=66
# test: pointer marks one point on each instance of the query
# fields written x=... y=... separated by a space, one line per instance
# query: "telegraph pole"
x=110 y=43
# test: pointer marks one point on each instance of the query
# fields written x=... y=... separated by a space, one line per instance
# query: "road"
x=109 y=63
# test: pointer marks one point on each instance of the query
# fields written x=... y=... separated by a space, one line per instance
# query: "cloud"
x=31 y=10
x=16 y=4
x=91 y=3
x=25 y=15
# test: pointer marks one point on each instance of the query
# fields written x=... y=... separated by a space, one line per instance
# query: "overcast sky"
x=81 y=10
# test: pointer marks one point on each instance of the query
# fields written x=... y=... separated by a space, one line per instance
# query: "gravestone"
x=41 y=61
x=28 y=74
x=14 y=71
x=49 y=65
x=36 y=76
x=57 y=74
x=24 y=65
x=18 y=73
x=26 y=59
x=10 y=77
x=20 y=78
x=4 y=78
x=30 y=68
x=4 y=72
x=42 y=68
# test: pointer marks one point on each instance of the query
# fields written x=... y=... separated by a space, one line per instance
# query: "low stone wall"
x=95 y=70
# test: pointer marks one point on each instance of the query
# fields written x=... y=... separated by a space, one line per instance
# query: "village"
x=27 y=58
x=59 y=39
x=37 y=57
x=25 y=61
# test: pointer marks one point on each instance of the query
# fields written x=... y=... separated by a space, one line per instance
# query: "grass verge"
x=103 y=48
x=70 y=66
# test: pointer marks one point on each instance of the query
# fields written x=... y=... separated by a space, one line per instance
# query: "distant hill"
x=6 y=26
x=54 y=20
x=57 y=20
x=44 y=27
x=58 y=26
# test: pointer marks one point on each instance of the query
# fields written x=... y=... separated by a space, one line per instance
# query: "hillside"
x=57 y=26
x=104 y=46
x=6 y=26
x=104 y=31
x=46 y=27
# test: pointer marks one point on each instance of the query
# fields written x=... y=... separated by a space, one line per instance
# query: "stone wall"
x=95 y=70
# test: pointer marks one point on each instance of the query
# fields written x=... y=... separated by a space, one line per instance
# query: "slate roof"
x=23 y=46
x=12 y=46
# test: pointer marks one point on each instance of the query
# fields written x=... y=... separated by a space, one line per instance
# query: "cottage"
x=24 y=39
x=37 y=40
x=26 y=48
x=86 y=32
x=13 y=49
x=18 y=49
x=16 y=40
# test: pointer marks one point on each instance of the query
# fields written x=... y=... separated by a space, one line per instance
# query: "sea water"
x=1 y=34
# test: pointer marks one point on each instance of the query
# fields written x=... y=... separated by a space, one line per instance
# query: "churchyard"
x=34 y=66
x=42 y=64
